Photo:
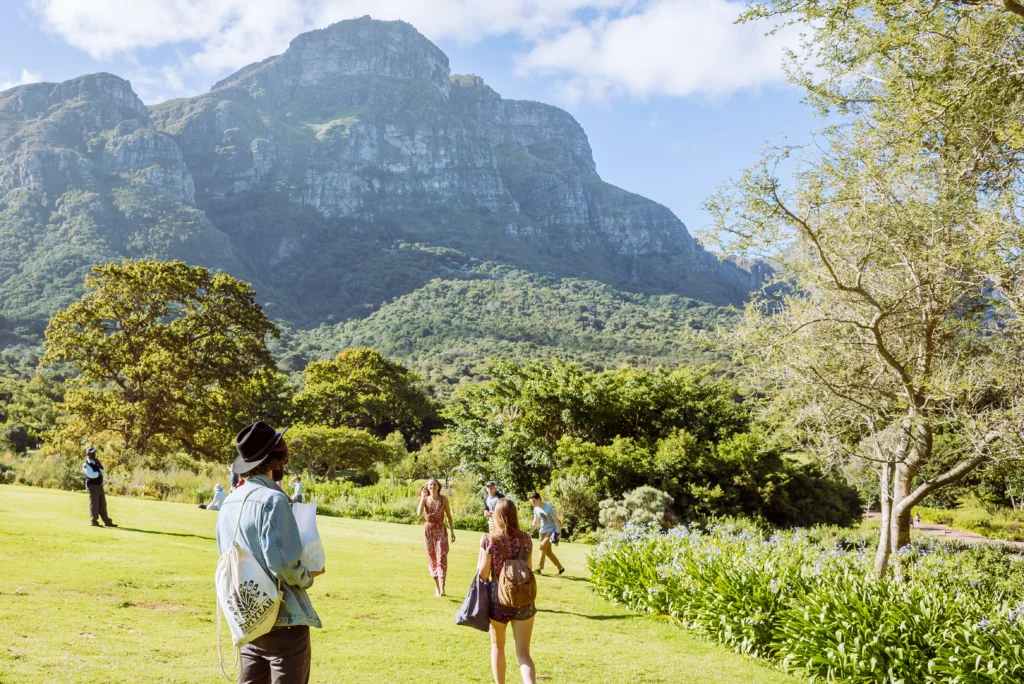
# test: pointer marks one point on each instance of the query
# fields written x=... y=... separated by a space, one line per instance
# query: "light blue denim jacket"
x=268 y=531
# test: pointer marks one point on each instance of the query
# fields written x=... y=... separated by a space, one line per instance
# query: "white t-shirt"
x=218 y=498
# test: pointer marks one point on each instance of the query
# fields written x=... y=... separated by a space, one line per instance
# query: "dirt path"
x=946 y=532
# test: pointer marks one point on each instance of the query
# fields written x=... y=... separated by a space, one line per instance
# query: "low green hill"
x=451 y=329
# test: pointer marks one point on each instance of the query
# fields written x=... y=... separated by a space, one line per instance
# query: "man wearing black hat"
x=266 y=527
x=94 y=470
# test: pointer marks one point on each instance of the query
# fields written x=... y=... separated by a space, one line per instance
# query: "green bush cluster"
x=975 y=515
x=805 y=599
x=395 y=503
x=599 y=434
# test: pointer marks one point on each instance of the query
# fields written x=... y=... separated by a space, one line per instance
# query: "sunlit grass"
x=135 y=604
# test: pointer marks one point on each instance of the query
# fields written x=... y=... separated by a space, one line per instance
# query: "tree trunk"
x=885 y=499
x=1013 y=502
x=899 y=535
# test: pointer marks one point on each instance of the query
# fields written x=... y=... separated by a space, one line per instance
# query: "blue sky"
x=674 y=97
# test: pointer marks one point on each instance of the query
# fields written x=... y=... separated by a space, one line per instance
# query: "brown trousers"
x=98 y=504
x=281 y=656
x=546 y=552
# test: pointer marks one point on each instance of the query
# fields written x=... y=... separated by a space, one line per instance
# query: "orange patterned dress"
x=435 y=538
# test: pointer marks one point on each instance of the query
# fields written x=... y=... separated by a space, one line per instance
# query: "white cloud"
x=595 y=48
x=677 y=48
x=26 y=77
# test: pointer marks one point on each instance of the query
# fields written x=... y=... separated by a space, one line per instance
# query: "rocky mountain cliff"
x=349 y=170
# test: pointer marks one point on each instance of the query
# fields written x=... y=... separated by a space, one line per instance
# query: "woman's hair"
x=506 y=519
x=426 y=485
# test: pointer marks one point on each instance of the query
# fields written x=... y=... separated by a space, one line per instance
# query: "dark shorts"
x=504 y=614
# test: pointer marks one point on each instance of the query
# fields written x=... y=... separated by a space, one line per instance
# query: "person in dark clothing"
x=93 y=470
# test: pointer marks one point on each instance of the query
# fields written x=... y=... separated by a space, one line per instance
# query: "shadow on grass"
x=588 y=617
x=169 y=534
x=565 y=577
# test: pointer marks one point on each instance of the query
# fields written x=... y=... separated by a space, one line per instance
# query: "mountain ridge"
x=349 y=170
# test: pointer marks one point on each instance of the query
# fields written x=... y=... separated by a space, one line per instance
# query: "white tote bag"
x=247 y=596
x=313 y=557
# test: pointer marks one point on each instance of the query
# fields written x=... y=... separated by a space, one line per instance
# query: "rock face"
x=85 y=179
x=356 y=140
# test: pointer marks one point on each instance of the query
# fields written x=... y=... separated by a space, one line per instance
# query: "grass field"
x=136 y=604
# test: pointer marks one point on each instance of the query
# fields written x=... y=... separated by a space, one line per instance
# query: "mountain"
x=351 y=170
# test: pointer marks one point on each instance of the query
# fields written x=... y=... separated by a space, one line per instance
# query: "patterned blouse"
x=434 y=510
x=501 y=549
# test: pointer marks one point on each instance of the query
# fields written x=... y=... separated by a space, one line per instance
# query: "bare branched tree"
x=899 y=239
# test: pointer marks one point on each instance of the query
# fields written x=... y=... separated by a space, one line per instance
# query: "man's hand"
x=488 y=514
x=453 y=537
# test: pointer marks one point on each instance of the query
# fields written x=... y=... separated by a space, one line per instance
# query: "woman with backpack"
x=506 y=557
x=435 y=509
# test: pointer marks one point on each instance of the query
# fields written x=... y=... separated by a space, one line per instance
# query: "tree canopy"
x=900 y=236
x=324 y=450
x=166 y=357
x=597 y=435
x=361 y=388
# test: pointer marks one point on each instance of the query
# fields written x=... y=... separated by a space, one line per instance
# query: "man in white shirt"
x=218 y=498
x=94 y=470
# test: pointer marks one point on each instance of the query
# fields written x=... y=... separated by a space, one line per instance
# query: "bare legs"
x=522 y=630
x=498 y=651
x=438 y=591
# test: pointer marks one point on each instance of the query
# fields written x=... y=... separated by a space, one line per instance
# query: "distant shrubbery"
x=805 y=599
x=182 y=480
x=974 y=515
x=394 y=503
x=592 y=436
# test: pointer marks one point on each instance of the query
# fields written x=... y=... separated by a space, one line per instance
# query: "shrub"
x=51 y=470
x=577 y=502
x=975 y=515
x=805 y=599
x=642 y=506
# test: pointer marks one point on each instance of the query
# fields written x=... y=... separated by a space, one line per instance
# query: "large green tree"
x=511 y=426
x=900 y=239
x=324 y=450
x=361 y=388
x=167 y=357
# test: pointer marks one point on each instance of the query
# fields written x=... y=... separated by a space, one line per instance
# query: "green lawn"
x=136 y=604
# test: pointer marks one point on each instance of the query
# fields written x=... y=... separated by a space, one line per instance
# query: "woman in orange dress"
x=435 y=509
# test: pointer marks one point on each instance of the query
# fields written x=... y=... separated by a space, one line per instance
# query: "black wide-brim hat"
x=254 y=444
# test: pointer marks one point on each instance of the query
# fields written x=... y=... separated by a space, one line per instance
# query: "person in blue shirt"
x=94 y=470
x=545 y=517
x=267 y=529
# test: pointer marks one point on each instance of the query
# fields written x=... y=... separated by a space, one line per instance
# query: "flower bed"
x=805 y=599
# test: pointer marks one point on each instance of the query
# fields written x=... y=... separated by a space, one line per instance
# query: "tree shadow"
x=588 y=617
x=169 y=534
